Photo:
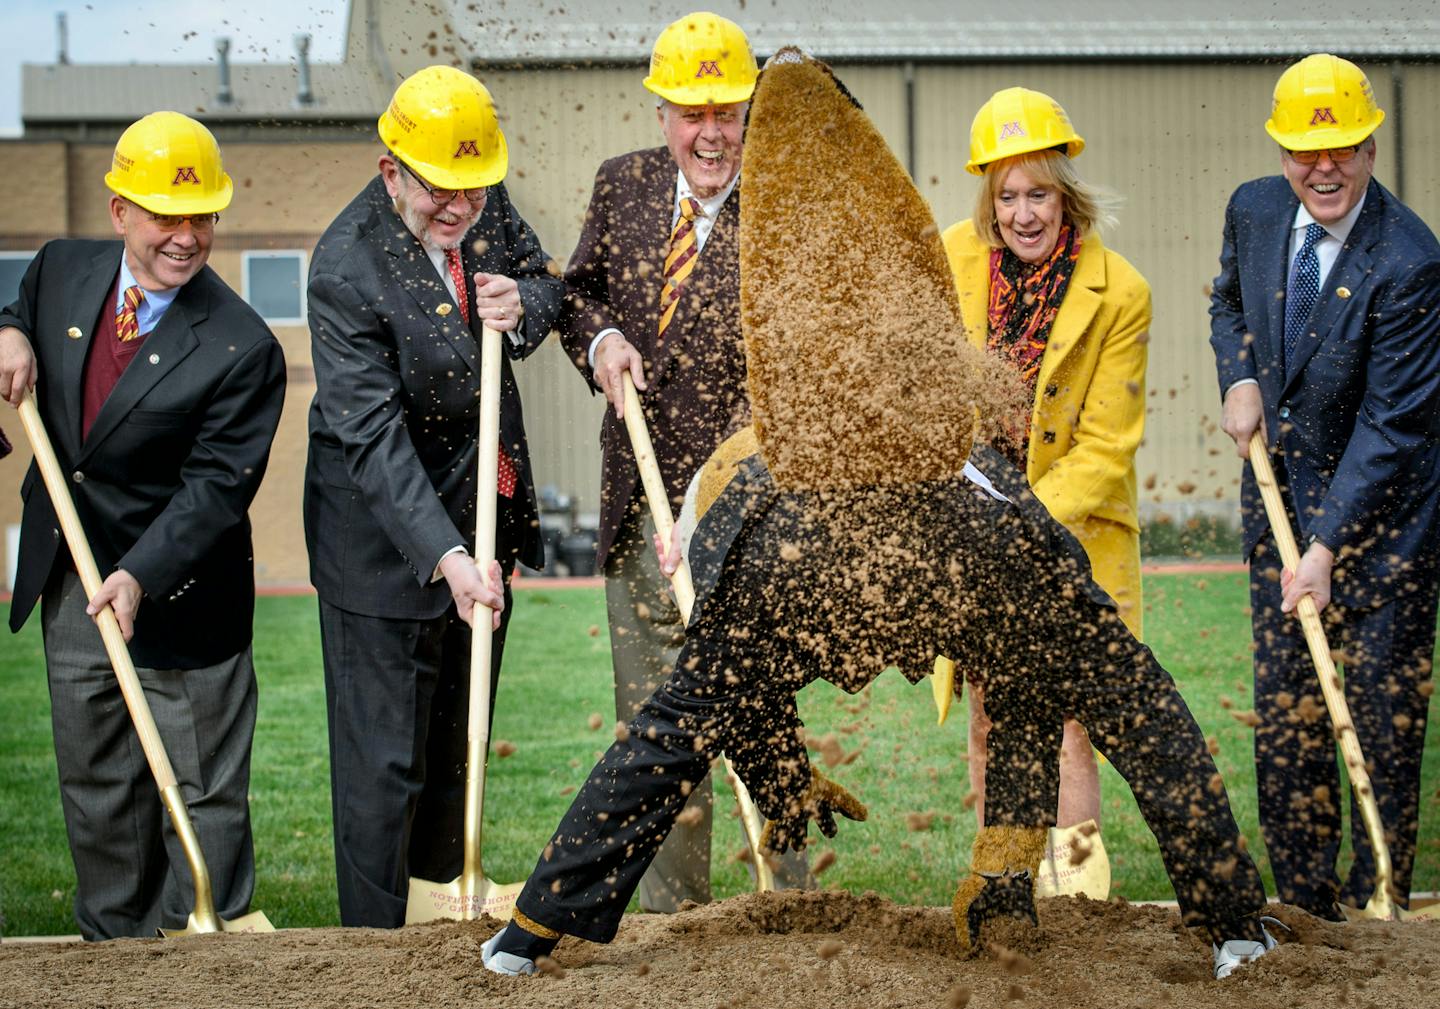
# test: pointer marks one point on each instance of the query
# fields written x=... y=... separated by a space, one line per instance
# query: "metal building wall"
x=1172 y=140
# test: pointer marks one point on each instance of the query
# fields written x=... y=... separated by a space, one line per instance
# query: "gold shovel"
x=1381 y=905
x=751 y=822
x=203 y=918
x=472 y=894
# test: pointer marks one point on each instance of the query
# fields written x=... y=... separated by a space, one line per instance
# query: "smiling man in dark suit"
x=400 y=285
x=653 y=289
x=1326 y=329
x=161 y=391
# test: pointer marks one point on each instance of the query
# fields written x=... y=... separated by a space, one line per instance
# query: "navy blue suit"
x=1353 y=419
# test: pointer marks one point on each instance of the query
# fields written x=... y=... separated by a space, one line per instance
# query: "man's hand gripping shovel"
x=472 y=894
x=203 y=918
x=1382 y=903
x=750 y=819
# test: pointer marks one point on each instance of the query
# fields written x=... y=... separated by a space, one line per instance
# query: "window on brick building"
x=12 y=268
x=274 y=285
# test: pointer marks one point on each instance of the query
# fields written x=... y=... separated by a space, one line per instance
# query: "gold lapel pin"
x=74 y=333
x=1342 y=292
x=444 y=308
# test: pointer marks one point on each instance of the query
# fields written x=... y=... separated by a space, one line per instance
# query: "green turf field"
x=557 y=674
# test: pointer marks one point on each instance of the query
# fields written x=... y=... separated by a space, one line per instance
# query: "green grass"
x=557 y=675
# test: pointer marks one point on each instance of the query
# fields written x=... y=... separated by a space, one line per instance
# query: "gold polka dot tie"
x=505 y=476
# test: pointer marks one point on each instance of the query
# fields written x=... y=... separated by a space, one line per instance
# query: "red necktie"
x=505 y=471
x=127 y=323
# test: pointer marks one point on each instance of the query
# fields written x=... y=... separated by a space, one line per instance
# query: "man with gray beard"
x=400 y=286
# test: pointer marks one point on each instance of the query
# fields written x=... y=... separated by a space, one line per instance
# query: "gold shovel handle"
x=1381 y=905
x=751 y=822
x=482 y=640
x=114 y=639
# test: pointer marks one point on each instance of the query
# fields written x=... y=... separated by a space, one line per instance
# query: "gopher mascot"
x=849 y=530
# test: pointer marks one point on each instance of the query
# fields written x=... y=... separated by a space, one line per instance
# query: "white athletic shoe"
x=1236 y=953
x=511 y=964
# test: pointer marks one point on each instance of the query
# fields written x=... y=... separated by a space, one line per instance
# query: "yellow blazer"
x=1089 y=411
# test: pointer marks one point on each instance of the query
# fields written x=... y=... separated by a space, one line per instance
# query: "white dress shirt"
x=1327 y=250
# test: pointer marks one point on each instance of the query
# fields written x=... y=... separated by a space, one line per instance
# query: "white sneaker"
x=510 y=964
x=1238 y=952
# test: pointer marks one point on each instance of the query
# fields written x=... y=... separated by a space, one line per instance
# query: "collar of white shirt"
x=1340 y=230
x=710 y=206
x=154 y=304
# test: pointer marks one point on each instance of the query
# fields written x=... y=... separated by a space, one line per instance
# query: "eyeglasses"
x=444 y=197
x=172 y=222
x=1339 y=155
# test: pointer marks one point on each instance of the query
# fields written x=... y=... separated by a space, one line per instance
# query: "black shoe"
x=1006 y=895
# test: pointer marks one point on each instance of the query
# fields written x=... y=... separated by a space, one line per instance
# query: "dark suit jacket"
x=163 y=481
x=697 y=392
x=1355 y=417
x=390 y=479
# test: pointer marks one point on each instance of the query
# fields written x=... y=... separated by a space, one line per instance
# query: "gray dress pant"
x=131 y=873
x=646 y=633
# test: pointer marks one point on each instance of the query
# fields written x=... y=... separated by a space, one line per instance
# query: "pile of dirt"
x=790 y=950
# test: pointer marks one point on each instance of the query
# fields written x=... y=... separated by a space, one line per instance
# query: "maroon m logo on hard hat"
x=1323 y=115
x=709 y=68
x=467 y=147
x=185 y=174
x=1012 y=129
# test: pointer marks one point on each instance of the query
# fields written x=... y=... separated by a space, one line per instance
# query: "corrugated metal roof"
x=521 y=30
x=125 y=91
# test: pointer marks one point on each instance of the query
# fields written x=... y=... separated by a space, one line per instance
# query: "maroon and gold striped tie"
x=127 y=323
x=679 y=261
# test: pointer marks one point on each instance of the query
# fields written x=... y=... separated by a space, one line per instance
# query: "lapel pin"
x=154 y=358
x=443 y=308
x=74 y=333
x=1342 y=292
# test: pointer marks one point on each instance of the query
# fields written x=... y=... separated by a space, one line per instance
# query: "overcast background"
x=147 y=31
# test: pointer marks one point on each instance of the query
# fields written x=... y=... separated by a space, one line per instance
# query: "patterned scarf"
x=1024 y=301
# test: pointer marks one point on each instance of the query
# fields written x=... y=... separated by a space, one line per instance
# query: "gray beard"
x=419 y=226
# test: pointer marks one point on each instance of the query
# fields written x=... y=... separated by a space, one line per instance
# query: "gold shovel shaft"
x=751 y=822
x=204 y=917
x=1381 y=904
x=471 y=895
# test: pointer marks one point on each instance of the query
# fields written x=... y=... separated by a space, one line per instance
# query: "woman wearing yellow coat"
x=1038 y=287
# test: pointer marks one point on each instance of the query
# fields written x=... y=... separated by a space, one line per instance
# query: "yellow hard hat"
x=1323 y=102
x=1017 y=121
x=170 y=164
x=441 y=123
x=702 y=59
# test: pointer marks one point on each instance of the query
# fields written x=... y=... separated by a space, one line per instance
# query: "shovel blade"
x=1075 y=862
x=1389 y=912
x=255 y=921
x=431 y=901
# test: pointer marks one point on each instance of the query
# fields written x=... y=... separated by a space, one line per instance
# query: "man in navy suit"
x=1326 y=329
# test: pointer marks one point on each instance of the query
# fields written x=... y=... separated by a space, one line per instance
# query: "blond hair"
x=1088 y=208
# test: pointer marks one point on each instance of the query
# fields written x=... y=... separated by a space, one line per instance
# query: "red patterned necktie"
x=679 y=261
x=127 y=323
x=505 y=471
